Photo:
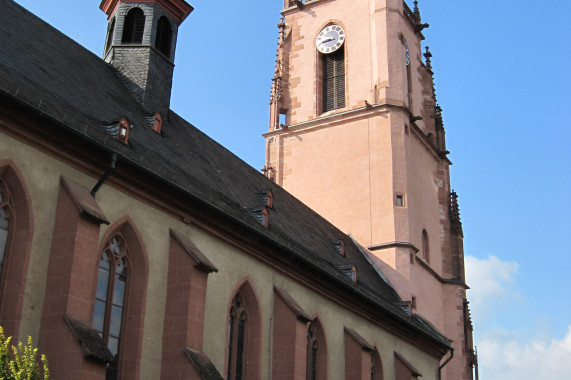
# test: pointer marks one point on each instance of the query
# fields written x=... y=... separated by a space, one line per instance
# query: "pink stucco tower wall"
x=376 y=167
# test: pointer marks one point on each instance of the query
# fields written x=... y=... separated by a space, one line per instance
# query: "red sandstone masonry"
x=184 y=313
x=289 y=340
x=69 y=289
x=357 y=357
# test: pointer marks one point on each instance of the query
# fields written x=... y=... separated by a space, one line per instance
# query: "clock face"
x=330 y=39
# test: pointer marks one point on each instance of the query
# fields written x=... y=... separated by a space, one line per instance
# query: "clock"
x=330 y=39
x=407 y=54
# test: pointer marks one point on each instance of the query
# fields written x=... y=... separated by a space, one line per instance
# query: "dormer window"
x=134 y=27
x=267 y=198
x=164 y=36
x=264 y=217
x=123 y=133
x=157 y=123
x=261 y=215
x=348 y=271
x=339 y=246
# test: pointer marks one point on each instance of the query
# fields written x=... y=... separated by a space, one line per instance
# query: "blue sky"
x=503 y=78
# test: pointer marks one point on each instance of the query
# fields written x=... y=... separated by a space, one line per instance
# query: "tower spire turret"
x=276 y=91
x=141 y=42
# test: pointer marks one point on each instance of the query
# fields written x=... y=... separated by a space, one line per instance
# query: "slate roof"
x=56 y=77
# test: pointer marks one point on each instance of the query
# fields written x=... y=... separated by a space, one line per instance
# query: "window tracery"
x=237 y=324
x=110 y=297
x=312 y=353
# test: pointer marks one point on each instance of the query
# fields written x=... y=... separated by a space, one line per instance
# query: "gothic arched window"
x=244 y=335
x=376 y=366
x=312 y=353
x=110 y=297
x=425 y=247
x=133 y=27
x=333 y=80
x=164 y=36
x=16 y=231
x=237 y=324
x=5 y=213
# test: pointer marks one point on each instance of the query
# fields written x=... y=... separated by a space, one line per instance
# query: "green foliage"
x=19 y=362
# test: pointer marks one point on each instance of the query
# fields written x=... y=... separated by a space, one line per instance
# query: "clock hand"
x=328 y=39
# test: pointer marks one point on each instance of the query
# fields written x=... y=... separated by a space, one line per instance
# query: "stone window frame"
x=116 y=253
x=136 y=288
x=321 y=359
x=252 y=358
x=18 y=246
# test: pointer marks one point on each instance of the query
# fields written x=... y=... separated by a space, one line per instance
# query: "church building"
x=353 y=112
x=133 y=246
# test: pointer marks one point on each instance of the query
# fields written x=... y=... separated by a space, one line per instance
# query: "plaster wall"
x=344 y=172
x=424 y=211
x=41 y=172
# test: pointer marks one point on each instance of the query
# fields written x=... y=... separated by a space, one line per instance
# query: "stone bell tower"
x=356 y=133
x=140 y=45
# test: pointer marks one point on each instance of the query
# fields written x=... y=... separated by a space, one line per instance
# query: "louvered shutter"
x=134 y=27
x=334 y=80
x=164 y=36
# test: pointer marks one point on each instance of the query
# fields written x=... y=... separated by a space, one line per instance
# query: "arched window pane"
x=102 y=282
x=3 y=218
x=115 y=322
x=99 y=315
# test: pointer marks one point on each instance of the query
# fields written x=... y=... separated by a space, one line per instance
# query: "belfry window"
x=134 y=27
x=4 y=222
x=237 y=324
x=164 y=36
x=333 y=80
x=110 y=297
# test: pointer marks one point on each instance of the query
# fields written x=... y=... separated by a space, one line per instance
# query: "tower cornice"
x=177 y=9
